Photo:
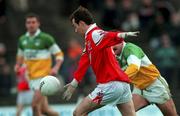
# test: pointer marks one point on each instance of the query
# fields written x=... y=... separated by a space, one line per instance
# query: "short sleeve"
x=49 y=40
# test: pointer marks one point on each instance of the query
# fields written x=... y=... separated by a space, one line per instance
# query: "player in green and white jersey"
x=149 y=86
x=35 y=49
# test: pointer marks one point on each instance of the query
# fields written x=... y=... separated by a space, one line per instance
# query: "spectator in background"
x=146 y=13
x=110 y=19
x=131 y=23
x=165 y=8
x=5 y=76
x=166 y=58
x=175 y=35
x=20 y=5
x=93 y=4
x=25 y=95
x=158 y=26
x=2 y=11
x=175 y=28
x=126 y=8
x=161 y=22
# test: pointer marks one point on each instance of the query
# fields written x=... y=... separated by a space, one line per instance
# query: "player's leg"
x=168 y=108
x=46 y=109
x=139 y=102
x=125 y=103
x=37 y=97
x=20 y=102
x=36 y=103
x=19 y=109
x=159 y=93
x=127 y=109
x=86 y=106
x=138 y=99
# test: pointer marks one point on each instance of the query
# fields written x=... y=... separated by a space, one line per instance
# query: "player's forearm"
x=83 y=65
x=19 y=60
x=58 y=64
x=74 y=83
x=109 y=39
x=126 y=34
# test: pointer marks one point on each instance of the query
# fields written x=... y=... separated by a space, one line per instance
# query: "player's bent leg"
x=86 y=106
x=139 y=102
x=36 y=103
x=168 y=108
x=46 y=109
x=127 y=109
x=19 y=109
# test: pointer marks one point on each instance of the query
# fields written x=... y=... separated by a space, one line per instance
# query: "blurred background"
x=157 y=20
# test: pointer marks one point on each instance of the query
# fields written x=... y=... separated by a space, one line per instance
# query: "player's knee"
x=35 y=106
x=78 y=113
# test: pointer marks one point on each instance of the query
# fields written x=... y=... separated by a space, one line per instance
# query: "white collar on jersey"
x=37 y=33
x=124 y=44
x=90 y=28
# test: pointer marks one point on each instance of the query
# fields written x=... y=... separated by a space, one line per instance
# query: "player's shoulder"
x=46 y=35
x=131 y=48
x=97 y=34
x=22 y=37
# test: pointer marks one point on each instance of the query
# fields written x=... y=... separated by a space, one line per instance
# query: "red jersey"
x=99 y=54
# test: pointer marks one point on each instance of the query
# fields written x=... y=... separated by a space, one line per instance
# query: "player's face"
x=78 y=28
x=118 y=48
x=32 y=24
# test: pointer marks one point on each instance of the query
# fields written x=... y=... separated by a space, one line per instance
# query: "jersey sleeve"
x=82 y=67
x=20 y=52
x=54 y=48
x=49 y=40
x=133 y=60
x=104 y=39
x=20 y=48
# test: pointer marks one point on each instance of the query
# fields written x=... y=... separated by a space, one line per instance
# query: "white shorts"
x=35 y=84
x=111 y=93
x=25 y=97
x=158 y=92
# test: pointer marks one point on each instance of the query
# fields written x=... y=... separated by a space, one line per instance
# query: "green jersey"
x=137 y=65
x=36 y=51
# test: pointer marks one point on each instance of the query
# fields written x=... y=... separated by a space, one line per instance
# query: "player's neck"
x=32 y=33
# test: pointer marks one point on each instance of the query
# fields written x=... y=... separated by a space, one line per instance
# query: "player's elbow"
x=132 y=70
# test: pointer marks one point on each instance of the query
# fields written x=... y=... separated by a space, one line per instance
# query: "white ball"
x=49 y=85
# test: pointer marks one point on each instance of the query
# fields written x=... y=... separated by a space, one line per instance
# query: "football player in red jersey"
x=113 y=84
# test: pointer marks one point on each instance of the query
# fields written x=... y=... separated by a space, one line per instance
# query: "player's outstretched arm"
x=127 y=34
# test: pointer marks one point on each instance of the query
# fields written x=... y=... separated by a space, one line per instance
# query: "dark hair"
x=82 y=14
x=32 y=15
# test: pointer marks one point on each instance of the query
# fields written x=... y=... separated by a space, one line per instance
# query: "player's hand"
x=126 y=34
x=69 y=90
x=54 y=71
x=16 y=68
x=133 y=33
